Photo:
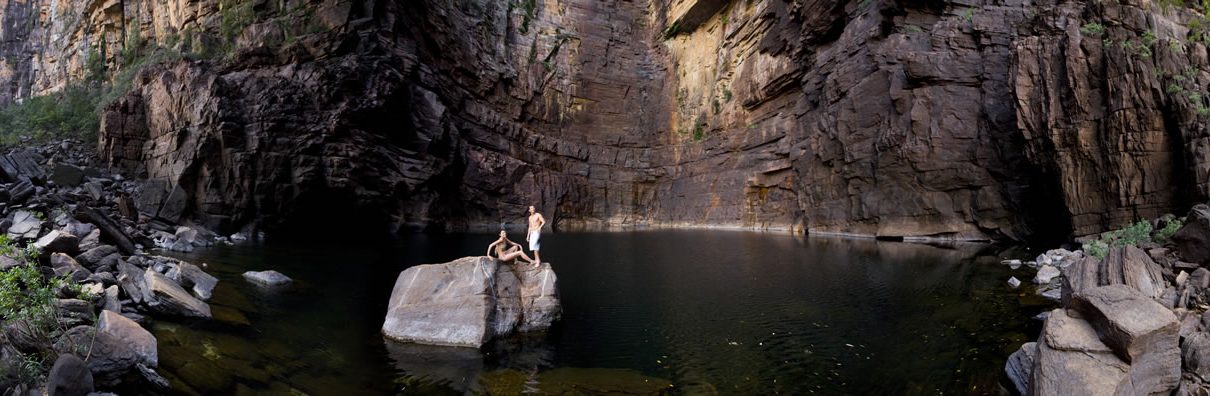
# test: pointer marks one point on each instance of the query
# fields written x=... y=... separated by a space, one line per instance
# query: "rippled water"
x=683 y=312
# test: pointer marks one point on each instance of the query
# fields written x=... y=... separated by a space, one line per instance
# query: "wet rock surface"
x=469 y=301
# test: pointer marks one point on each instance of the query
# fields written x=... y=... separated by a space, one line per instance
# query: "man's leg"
x=537 y=259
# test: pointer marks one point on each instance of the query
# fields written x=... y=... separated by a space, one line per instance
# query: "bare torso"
x=535 y=222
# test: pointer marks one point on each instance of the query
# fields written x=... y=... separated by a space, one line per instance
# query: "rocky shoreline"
x=77 y=247
x=1134 y=315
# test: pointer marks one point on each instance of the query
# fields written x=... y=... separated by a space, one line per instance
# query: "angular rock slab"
x=443 y=304
x=167 y=297
x=267 y=278
x=138 y=341
x=468 y=301
x=1139 y=330
x=1193 y=239
x=198 y=281
x=58 y=242
x=1071 y=360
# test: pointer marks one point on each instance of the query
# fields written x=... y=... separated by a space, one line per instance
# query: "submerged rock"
x=267 y=278
x=469 y=301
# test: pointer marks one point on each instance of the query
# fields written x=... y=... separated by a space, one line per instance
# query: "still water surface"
x=682 y=312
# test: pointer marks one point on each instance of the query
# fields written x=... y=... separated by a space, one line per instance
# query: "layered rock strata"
x=964 y=120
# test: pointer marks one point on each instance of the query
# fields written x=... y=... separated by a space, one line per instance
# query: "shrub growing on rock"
x=1131 y=235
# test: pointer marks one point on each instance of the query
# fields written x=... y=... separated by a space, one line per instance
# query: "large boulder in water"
x=469 y=301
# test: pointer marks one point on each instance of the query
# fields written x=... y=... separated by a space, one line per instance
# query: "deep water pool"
x=679 y=312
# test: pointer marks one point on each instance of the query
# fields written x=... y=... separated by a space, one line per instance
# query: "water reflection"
x=644 y=312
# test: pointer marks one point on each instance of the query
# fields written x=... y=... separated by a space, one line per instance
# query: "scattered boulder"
x=1059 y=258
x=73 y=312
x=1013 y=282
x=1195 y=354
x=112 y=302
x=58 y=242
x=469 y=301
x=1193 y=239
x=67 y=175
x=7 y=263
x=1046 y=273
x=25 y=225
x=132 y=281
x=99 y=256
x=91 y=240
x=198 y=281
x=63 y=264
x=183 y=239
x=69 y=377
x=167 y=297
x=267 y=278
x=23 y=165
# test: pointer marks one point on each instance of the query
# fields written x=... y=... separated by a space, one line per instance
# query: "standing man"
x=536 y=222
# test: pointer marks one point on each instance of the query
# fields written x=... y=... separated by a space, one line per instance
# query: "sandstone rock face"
x=965 y=120
x=469 y=301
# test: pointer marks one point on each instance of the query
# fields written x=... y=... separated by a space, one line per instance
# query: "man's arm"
x=489 y=248
x=541 y=222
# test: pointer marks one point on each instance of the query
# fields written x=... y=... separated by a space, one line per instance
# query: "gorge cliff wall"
x=951 y=119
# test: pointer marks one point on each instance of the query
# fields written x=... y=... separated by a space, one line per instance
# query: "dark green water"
x=687 y=312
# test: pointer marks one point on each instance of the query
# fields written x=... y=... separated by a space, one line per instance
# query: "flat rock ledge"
x=469 y=301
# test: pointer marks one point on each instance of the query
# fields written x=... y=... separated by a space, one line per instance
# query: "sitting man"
x=507 y=250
